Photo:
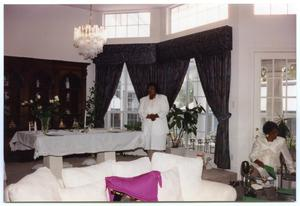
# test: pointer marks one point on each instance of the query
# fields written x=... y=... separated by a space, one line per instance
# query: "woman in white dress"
x=153 y=112
x=266 y=150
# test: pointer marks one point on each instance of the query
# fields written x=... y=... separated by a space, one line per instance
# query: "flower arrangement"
x=42 y=112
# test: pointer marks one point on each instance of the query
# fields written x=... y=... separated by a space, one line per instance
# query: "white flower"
x=40 y=107
x=22 y=103
x=38 y=96
x=51 y=101
x=56 y=98
x=31 y=101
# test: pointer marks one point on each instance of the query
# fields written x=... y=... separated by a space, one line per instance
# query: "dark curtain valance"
x=208 y=42
x=130 y=53
x=186 y=47
x=167 y=76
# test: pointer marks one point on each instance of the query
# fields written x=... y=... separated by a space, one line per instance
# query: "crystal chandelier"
x=89 y=39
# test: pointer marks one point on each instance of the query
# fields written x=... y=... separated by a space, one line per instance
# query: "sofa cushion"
x=171 y=188
x=41 y=185
x=80 y=176
x=131 y=168
x=190 y=169
x=94 y=192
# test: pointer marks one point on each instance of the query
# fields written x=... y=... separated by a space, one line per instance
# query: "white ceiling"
x=118 y=7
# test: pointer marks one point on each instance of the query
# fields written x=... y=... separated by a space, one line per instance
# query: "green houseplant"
x=284 y=131
x=183 y=122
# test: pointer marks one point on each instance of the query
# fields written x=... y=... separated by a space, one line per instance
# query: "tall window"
x=123 y=108
x=278 y=90
x=191 y=90
x=188 y=16
x=127 y=25
x=274 y=9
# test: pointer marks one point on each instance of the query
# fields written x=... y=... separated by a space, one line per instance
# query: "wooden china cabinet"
x=24 y=78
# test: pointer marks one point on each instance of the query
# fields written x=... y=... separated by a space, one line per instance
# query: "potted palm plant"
x=183 y=122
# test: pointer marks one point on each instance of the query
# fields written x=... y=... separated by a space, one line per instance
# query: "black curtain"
x=215 y=71
x=167 y=76
x=107 y=79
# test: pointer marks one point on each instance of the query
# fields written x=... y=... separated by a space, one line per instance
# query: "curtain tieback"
x=224 y=117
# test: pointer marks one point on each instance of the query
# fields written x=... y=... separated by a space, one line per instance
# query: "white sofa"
x=181 y=181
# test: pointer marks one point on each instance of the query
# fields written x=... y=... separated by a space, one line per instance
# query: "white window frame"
x=124 y=105
x=206 y=107
x=128 y=12
x=270 y=7
x=258 y=56
x=169 y=19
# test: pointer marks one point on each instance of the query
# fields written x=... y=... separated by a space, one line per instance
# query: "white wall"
x=47 y=31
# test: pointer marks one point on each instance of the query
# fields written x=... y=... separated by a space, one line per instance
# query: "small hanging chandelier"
x=89 y=39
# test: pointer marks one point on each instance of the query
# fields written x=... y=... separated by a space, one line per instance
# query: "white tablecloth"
x=67 y=142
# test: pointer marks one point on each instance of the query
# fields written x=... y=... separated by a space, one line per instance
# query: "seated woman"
x=266 y=150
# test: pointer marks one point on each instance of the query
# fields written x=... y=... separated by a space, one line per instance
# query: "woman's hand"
x=152 y=116
x=259 y=163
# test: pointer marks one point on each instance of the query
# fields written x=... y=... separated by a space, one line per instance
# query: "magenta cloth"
x=143 y=187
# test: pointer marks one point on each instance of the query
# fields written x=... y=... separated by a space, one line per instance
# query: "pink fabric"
x=143 y=187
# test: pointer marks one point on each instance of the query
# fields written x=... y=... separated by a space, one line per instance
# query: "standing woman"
x=153 y=111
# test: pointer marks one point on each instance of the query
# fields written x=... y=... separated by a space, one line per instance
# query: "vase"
x=45 y=124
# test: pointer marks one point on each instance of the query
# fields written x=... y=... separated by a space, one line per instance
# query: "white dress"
x=155 y=132
x=269 y=152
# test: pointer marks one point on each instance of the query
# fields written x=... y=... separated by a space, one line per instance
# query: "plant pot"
x=177 y=151
x=45 y=124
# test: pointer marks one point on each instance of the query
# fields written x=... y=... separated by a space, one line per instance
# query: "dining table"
x=56 y=144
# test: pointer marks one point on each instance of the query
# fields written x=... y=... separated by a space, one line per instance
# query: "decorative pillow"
x=190 y=170
x=171 y=188
x=41 y=185
x=94 y=192
x=142 y=187
x=75 y=177
x=131 y=168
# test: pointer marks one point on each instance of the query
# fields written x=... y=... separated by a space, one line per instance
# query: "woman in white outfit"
x=266 y=150
x=153 y=111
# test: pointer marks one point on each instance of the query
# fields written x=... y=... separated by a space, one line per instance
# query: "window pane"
x=291 y=104
x=110 y=31
x=292 y=9
x=278 y=8
x=263 y=91
x=110 y=20
x=192 y=15
x=123 y=19
x=263 y=104
x=274 y=9
x=133 y=19
x=115 y=120
x=133 y=103
x=144 y=31
x=201 y=123
x=292 y=90
x=121 y=31
x=132 y=119
x=132 y=31
x=260 y=9
x=128 y=25
x=144 y=18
